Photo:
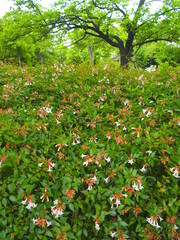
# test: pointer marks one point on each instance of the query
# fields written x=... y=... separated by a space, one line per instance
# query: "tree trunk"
x=19 y=58
x=41 y=57
x=127 y=50
x=91 y=54
x=125 y=55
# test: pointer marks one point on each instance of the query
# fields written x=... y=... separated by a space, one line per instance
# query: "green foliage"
x=157 y=53
x=89 y=153
x=20 y=41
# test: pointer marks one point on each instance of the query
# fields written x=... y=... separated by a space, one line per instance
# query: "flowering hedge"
x=89 y=154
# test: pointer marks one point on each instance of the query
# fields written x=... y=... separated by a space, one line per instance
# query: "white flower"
x=31 y=205
x=117 y=124
x=124 y=195
x=48 y=223
x=111 y=198
x=153 y=222
x=34 y=220
x=49 y=169
x=130 y=161
x=149 y=152
x=58 y=212
x=176 y=227
x=55 y=202
x=40 y=164
x=148 y=114
x=108 y=159
x=97 y=227
x=53 y=164
x=106 y=179
x=143 y=169
x=144 y=110
x=126 y=102
x=113 y=234
x=83 y=156
x=124 y=128
x=89 y=188
x=137 y=187
x=176 y=173
x=47 y=109
x=24 y=202
x=118 y=202
x=94 y=178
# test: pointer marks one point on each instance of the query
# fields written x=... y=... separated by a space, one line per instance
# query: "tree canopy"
x=122 y=24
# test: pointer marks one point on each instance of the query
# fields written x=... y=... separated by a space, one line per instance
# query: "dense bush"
x=88 y=153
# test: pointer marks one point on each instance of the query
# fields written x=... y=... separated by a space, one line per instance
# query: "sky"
x=6 y=4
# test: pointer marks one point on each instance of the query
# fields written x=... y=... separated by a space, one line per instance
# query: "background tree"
x=22 y=38
x=112 y=20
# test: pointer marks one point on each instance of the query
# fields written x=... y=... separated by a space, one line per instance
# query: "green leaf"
x=85 y=232
x=11 y=187
x=4 y=202
x=49 y=234
x=71 y=207
x=12 y=198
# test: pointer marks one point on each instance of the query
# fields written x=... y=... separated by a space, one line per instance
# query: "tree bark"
x=127 y=50
x=19 y=57
x=41 y=57
x=91 y=54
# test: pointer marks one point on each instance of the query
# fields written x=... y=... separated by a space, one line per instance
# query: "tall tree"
x=110 y=20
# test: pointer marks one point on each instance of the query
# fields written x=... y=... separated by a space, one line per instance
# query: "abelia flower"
x=3 y=159
x=108 y=135
x=118 y=123
x=149 y=152
x=153 y=221
x=107 y=159
x=61 y=156
x=40 y=164
x=50 y=166
x=41 y=222
x=29 y=200
x=124 y=128
x=113 y=234
x=47 y=109
x=111 y=175
x=93 y=139
x=45 y=195
x=90 y=182
x=144 y=169
x=88 y=160
x=137 y=131
x=126 y=102
x=76 y=139
x=70 y=193
x=130 y=160
x=97 y=224
x=116 y=197
x=62 y=236
x=60 y=145
x=57 y=209
x=137 y=184
x=137 y=209
x=175 y=171
x=120 y=140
